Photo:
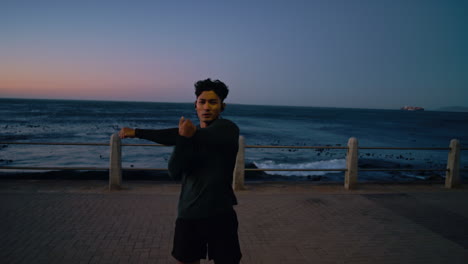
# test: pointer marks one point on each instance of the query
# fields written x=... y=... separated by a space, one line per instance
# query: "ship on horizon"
x=412 y=108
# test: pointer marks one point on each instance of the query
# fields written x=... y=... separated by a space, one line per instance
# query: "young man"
x=203 y=158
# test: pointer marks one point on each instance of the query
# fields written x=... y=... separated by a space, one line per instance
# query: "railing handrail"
x=246 y=169
x=51 y=168
x=55 y=143
x=78 y=144
x=246 y=146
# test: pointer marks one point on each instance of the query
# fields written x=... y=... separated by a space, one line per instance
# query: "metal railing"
x=351 y=171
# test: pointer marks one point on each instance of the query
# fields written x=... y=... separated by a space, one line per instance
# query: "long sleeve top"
x=205 y=164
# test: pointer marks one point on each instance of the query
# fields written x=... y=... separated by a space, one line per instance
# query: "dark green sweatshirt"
x=205 y=164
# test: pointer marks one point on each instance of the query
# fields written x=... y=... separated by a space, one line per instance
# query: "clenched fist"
x=186 y=128
x=127 y=132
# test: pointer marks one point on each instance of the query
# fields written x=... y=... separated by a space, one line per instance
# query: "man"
x=203 y=158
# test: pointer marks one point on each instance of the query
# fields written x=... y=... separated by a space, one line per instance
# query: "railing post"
x=452 y=176
x=115 y=169
x=239 y=169
x=351 y=173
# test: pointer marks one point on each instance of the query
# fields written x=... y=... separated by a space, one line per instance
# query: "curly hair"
x=216 y=86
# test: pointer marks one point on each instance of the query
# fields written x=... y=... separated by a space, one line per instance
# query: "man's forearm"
x=161 y=136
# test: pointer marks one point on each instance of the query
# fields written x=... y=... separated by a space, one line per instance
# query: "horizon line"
x=181 y=102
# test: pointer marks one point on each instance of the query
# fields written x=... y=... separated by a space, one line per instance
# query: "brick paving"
x=82 y=222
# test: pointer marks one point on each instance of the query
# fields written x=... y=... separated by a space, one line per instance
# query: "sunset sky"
x=331 y=53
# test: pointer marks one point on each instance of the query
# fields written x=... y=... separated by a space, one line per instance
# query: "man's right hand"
x=186 y=128
x=127 y=132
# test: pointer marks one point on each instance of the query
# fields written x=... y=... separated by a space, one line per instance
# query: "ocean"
x=27 y=120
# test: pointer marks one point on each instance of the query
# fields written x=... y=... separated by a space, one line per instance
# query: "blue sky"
x=331 y=53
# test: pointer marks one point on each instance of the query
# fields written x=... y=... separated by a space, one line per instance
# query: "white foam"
x=323 y=164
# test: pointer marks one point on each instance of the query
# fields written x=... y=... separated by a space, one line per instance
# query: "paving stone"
x=278 y=224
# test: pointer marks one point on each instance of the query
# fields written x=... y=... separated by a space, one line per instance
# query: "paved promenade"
x=81 y=222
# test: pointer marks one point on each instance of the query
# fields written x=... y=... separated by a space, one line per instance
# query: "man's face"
x=208 y=107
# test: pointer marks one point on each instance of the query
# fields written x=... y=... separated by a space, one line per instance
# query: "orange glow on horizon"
x=106 y=83
x=75 y=90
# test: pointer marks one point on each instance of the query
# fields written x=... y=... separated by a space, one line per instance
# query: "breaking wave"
x=323 y=164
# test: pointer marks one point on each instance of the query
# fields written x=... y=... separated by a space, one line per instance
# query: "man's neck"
x=206 y=124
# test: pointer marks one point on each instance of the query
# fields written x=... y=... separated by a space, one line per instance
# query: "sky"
x=326 y=53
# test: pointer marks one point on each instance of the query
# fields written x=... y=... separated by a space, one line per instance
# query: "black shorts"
x=217 y=236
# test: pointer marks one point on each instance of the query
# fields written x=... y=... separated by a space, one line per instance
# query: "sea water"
x=57 y=121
